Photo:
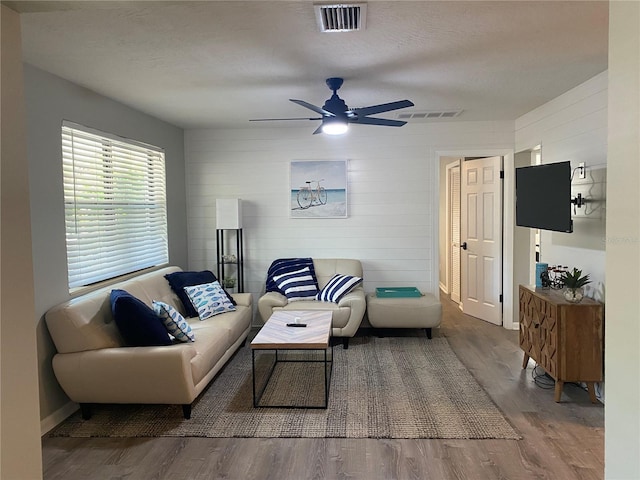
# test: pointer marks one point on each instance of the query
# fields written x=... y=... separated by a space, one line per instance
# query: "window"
x=115 y=205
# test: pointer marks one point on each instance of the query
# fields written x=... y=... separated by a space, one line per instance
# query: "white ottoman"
x=404 y=312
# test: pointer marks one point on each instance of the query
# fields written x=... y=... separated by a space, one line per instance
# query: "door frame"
x=448 y=215
x=508 y=222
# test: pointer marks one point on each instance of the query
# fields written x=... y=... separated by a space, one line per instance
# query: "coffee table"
x=275 y=335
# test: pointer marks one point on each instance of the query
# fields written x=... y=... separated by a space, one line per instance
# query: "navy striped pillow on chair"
x=297 y=285
x=338 y=287
x=287 y=265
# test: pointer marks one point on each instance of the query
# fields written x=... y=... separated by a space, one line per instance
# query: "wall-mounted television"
x=543 y=197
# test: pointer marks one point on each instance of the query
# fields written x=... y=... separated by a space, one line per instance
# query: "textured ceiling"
x=218 y=64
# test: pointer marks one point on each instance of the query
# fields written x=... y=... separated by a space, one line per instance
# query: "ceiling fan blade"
x=278 y=119
x=335 y=113
x=377 y=121
x=308 y=105
x=383 y=107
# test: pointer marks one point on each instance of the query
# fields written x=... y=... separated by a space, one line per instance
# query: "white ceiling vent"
x=343 y=17
x=429 y=115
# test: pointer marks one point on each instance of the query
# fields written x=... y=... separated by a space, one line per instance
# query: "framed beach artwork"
x=318 y=189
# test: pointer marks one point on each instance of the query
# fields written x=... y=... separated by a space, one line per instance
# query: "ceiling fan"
x=336 y=115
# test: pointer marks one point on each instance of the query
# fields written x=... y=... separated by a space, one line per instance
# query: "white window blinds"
x=115 y=205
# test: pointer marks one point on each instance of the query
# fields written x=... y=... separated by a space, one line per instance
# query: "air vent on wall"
x=341 y=17
x=430 y=115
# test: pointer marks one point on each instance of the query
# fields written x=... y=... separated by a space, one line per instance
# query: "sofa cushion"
x=209 y=299
x=233 y=323
x=174 y=322
x=286 y=265
x=338 y=287
x=297 y=285
x=212 y=341
x=326 y=268
x=138 y=324
x=179 y=280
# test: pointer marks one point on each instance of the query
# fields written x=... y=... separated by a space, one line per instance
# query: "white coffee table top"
x=276 y=335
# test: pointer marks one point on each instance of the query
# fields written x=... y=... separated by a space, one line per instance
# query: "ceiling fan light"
x=335 y=127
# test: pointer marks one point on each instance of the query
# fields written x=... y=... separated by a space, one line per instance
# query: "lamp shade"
x=228 y=213
x=334 y=126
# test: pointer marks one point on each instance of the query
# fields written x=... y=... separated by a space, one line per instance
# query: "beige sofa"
x=93 y=365
x=347 y=314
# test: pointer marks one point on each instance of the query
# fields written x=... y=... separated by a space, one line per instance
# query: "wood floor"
x=560 y=441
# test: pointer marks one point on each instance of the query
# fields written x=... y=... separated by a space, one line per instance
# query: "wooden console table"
x=565 y=339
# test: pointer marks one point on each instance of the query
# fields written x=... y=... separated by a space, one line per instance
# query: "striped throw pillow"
x=338 y=287
x=297 y=285
x=174 y=322
x=287 y=265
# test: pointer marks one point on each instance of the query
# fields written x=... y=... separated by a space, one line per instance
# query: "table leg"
x=258 y=396
x=253 y=375
x=525 y=360
x=327 y=363
x=326 y=380
x=558 y=392
x=591 y=388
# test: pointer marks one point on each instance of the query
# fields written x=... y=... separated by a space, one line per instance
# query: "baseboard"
x=57 y=417
x=443 y=288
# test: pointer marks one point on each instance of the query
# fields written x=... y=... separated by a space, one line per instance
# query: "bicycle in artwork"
x=308 y=195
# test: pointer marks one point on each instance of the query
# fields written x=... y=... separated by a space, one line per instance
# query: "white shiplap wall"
x=573 y=127
x=392 y=225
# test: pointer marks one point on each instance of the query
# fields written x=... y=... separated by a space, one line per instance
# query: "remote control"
x=296 y=324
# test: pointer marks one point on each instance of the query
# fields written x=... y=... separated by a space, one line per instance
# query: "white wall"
x=573 y=127
x=50 y=100
x=20 y=450
x=622 y=323
x=393 y=195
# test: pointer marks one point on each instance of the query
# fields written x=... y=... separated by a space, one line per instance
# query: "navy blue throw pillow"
x=138 y=324
x=287 y=265
x=179 y=280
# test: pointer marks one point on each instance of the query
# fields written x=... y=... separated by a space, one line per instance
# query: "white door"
x=481 y=238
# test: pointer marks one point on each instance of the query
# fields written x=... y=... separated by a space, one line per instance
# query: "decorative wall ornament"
x=318 y=189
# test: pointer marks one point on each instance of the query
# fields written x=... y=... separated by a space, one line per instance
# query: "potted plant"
x=573 y=283
x=229 y=282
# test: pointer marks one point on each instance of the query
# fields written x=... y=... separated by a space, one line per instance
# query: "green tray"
x=397 y=292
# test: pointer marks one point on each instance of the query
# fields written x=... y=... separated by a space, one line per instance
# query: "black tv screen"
x=543 y=197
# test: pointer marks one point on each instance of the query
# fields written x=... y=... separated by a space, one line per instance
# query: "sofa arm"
x=128 y=374
x=268 y=302
x=243 y=299
x=356 y=300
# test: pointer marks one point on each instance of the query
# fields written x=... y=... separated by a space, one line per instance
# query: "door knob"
x=464 y=245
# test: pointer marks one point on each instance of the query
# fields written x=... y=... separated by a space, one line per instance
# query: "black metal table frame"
x=327 y=375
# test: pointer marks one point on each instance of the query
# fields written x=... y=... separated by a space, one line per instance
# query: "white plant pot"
x=573 y=295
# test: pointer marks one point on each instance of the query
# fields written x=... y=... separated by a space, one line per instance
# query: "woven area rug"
x=393 y=387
